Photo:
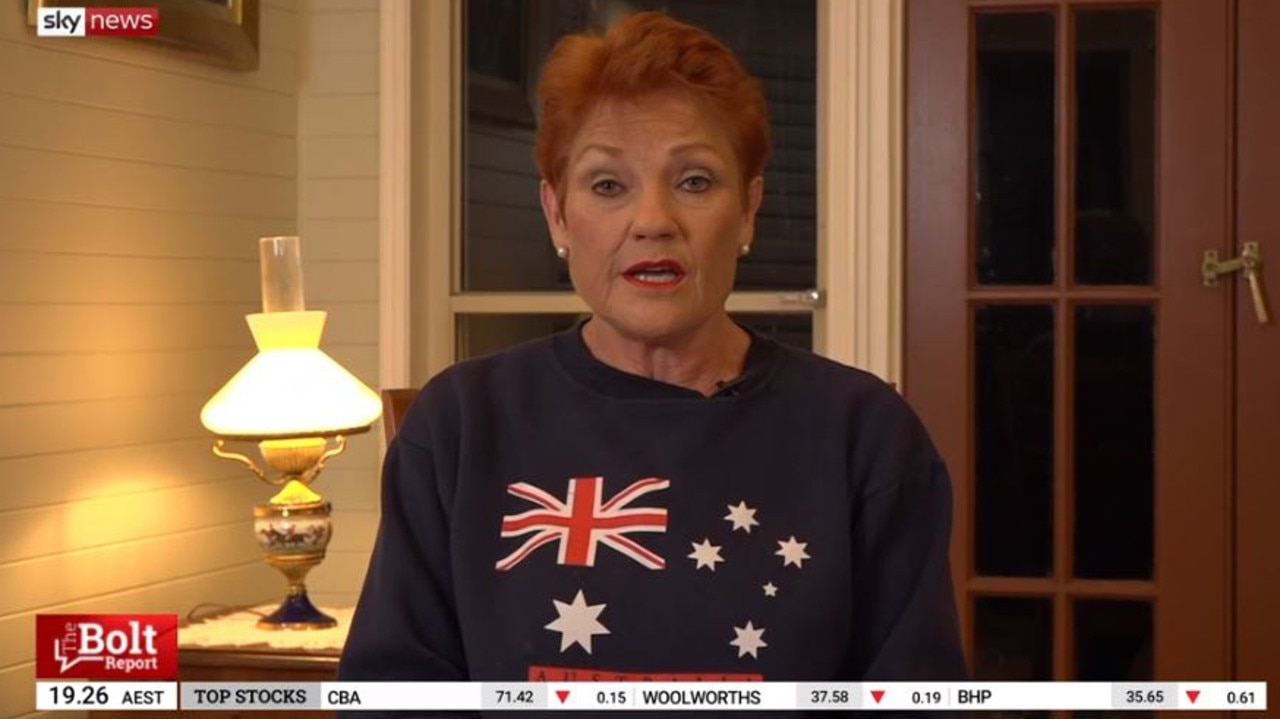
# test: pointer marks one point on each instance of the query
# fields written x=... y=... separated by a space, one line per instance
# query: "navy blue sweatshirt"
x=548 y=517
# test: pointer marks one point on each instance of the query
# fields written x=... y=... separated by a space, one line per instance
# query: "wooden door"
x=1068 y=166
x=1258 y=345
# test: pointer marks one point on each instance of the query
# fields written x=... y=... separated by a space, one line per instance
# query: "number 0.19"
x=926 y=697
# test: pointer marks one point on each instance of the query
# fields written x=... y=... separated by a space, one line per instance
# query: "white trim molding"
x=860 y=77
x=419 y=151
x=436 y=161
x=394 y=154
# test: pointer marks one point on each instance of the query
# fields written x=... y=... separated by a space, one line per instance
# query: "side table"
x=229 y=647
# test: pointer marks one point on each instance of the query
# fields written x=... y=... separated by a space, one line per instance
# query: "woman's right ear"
x=551 y=211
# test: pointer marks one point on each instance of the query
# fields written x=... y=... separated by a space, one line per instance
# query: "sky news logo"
x=107 y=646
x=82 y=21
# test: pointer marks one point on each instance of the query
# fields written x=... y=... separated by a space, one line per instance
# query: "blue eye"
x=608 y=188
x=696 y=183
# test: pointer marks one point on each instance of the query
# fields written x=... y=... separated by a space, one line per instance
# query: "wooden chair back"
x=395 y=402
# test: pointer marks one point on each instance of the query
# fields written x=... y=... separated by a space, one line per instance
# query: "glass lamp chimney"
x=281 y=261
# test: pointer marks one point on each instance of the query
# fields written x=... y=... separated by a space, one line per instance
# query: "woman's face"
x=653 y=216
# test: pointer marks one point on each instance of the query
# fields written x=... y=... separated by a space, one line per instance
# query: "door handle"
x=1250 y=262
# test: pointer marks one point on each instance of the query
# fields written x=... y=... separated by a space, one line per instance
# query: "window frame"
x=860 y=158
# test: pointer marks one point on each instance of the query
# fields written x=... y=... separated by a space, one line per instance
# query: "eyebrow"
x=692 y=146
x=609 y=150
x=614 y=151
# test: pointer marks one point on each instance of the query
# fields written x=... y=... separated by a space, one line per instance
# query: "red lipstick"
x=655 y=274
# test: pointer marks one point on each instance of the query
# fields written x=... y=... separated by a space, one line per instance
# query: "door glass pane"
x=506 y=246
x=1113 y=644
x=1014 y=427
x=1013 y=641
x=1115 y=145
x=1114 y=441
x=1014 y=148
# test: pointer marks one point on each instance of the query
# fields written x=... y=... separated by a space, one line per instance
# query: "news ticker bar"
x=658 y=696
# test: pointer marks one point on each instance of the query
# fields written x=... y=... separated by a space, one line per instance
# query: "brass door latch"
x=1250 y=262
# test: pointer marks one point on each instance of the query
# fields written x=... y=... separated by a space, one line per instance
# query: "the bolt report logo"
x=107 y=646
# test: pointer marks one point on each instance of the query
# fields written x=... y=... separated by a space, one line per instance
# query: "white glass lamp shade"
x=291 y=388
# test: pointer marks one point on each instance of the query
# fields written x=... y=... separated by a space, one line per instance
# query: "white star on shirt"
x=706 y=554
x=770 y=590
x=577 y=622
x=742 y=516
x=792 y=552
x=749 y=640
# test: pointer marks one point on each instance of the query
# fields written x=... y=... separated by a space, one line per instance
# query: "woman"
x=658 y=493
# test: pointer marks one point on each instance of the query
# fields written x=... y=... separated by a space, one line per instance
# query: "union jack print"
x=584 y=521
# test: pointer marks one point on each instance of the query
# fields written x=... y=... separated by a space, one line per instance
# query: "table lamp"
x=293 y=400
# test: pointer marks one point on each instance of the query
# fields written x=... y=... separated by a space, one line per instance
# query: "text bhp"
x=973 y=696
x=79 y=21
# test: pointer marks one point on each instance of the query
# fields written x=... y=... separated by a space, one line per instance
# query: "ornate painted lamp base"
x=297 y=612
x=293 y=538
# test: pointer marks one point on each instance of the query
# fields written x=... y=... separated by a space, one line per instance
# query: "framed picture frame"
x=221 y=32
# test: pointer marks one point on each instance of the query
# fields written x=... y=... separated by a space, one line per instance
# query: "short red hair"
x=644 y=53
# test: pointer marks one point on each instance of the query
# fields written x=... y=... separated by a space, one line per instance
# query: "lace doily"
x=240 y=629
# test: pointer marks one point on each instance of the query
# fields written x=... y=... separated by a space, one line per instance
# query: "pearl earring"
x=562 y=252
x=744 y=250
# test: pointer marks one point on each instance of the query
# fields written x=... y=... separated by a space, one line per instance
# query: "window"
x=826 y=265
x=506 y=251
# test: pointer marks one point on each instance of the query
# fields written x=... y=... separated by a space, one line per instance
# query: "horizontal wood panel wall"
x=133 y=186
x=338 y=222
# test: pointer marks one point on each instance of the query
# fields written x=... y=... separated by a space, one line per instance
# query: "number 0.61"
x=1240 y=698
